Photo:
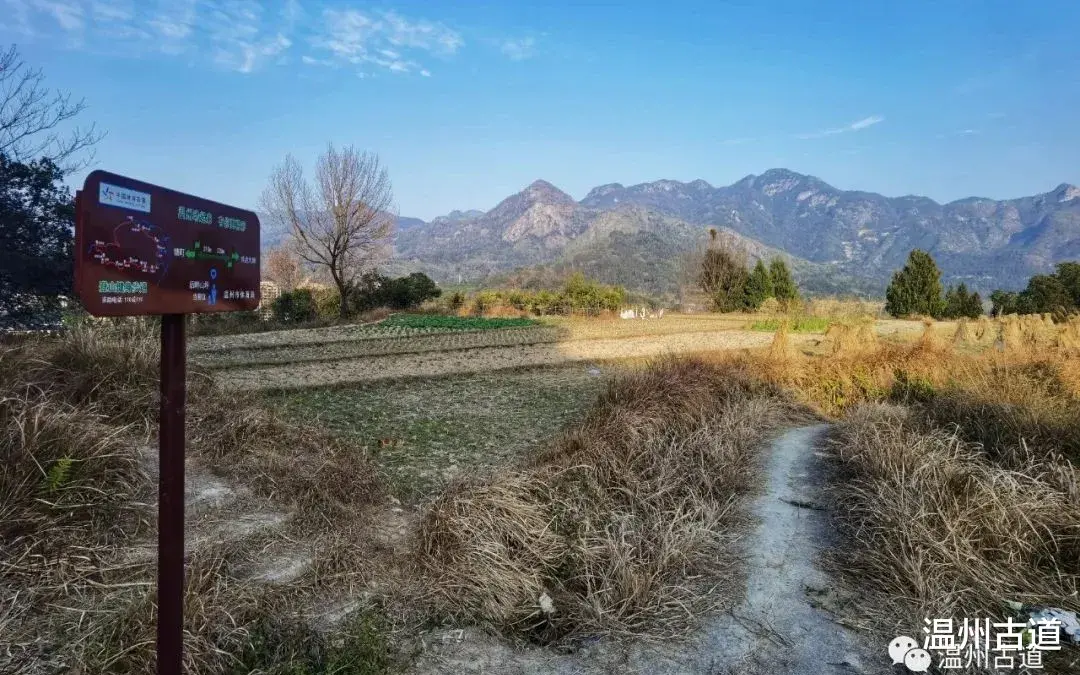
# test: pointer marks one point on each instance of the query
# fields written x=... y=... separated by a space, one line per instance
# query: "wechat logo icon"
x=906 y=651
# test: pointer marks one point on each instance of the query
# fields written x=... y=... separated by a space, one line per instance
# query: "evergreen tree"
x=973 y=308
x=784 y=288
x=916 y=289
x=959 y=303
x=759 y=286
x=36 y=234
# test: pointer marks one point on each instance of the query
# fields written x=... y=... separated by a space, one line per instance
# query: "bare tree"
x=281 y=266
x=32 y=116
x=343 y=220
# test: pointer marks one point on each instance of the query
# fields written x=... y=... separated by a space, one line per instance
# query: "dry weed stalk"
x=938 y=529
x=76 y=413
x=628 y=523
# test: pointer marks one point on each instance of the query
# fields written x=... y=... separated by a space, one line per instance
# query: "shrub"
x=296 y=306
x=457 y=301
x=485 y=301
x=327 y=303
x=409 y=292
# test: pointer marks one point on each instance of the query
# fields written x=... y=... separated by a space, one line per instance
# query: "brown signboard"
x=143 y=249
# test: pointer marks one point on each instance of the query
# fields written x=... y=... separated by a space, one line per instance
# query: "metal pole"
x=170 y=590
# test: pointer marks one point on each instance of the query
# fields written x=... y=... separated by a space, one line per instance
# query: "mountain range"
x=836 y=240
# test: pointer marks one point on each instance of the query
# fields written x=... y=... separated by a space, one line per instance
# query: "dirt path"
x=777 y=629
x=484 y=359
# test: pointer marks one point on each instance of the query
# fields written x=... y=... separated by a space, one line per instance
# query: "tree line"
x=732 y=285
x=916 y=289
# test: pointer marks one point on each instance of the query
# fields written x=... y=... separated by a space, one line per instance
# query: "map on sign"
x=144 y=249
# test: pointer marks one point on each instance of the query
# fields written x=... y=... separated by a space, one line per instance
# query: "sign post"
x=145 y=250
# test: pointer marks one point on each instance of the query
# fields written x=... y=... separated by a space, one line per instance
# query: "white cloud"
x=386 y=41
x=420 y=34
x=239 y=35
x=854 y=126
x=113 y=11
x=737 y=141
x=518 y=49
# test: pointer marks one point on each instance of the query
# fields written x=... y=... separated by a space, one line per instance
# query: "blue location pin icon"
x=213 y=286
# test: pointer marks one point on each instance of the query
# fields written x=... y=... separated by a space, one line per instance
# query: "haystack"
x=963 y=333
x=831 y=341
x=780 y=349
x=1010 y=336
x=930 y=340
x=1067 y=340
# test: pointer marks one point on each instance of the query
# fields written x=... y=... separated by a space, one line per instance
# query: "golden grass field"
x=335 y=528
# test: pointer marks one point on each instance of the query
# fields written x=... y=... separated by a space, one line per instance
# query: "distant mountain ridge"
x=835 y=239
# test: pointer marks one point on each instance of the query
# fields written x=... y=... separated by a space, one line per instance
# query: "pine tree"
x=784 y=288
x=916 y=289
x=959 y=303
x=759 y=287
x=973 y=308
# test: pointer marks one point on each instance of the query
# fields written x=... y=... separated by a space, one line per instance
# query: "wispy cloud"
x=69 y=14
x=737 y=141
x=857 y=125
x=518 y=49
x=240 y=35
x=386 y=41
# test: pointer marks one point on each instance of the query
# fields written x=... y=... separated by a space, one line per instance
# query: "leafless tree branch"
x=32 y=116
x=343 y=220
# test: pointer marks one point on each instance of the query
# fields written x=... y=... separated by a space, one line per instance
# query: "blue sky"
x=469 y=102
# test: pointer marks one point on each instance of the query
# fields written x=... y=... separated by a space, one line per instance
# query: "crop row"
x=310 y=353
x=323 y=336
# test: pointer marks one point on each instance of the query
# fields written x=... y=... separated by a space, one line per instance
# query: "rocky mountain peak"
x=544 y=192
x=457 y=216
x=1066 y=192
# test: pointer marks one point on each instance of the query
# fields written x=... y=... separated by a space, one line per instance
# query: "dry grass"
x=836 y=308
x=76 y=423
x=781 y=351
x=628 y=523
x=939 y=527
x=957 y=484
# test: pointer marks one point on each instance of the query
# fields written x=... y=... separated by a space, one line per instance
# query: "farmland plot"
x=337 y=350
x=311 y=336
x=425 y=433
